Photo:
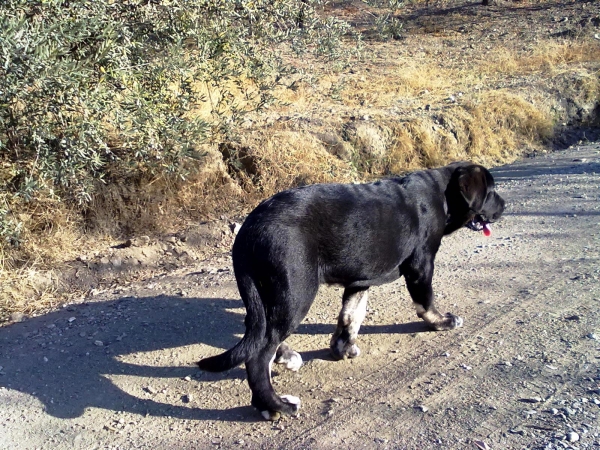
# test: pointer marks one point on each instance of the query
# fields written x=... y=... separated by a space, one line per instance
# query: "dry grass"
x=546 y=57
x=290 y=158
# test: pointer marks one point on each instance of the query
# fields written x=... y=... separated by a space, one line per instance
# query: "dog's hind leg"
x=286 y=300
x=354 y=308
x=264 y=397
x=418 y=278
x=288 y=357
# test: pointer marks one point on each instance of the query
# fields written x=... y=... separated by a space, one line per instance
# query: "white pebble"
x=572 y=436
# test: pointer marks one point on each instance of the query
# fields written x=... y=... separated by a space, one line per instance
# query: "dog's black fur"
x=354 y=235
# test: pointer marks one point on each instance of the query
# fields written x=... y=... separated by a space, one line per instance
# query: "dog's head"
x=471 y=198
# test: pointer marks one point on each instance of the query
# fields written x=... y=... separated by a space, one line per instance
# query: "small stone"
x=531 y=400
x=596 y=401
x=71 y=319
x=506 y=363
x=576 y=405
x=171 y=240
x=98 y=343
x=104 y=261
x=482 y=445
x=554 y=411
x=464 y=366
x=188 y=378
x=423 y=408
x=17 y=317
x=150 y=390
x=572 y=436
x=593 y=336
x=116 y=262
x=186 y=398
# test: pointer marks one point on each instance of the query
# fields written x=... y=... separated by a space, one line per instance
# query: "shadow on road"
x=65 y=362
x=66 y=358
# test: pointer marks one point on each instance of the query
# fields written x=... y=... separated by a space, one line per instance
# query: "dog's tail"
x=253 y=340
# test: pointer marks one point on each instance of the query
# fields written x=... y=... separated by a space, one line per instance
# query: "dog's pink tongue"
x=487 y=231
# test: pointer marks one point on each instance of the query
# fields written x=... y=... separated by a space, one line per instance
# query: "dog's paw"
x=291 y=400
x=291 y=405
x=291 y=360
x=448 y=322
x=344 y=350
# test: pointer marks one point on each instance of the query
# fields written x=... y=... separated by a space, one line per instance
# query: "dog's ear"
x=473 y=184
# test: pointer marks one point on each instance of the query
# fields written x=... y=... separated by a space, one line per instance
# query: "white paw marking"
x=346 y=352
x=355 y=350
x=291 y=399
x=294 y=363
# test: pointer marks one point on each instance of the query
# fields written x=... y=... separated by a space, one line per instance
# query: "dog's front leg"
x=354 y=308
x=418 y=281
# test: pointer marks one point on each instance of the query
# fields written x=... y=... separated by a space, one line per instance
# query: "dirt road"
x=117 y=370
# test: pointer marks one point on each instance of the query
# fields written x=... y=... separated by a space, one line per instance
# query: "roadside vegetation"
x=121 y=118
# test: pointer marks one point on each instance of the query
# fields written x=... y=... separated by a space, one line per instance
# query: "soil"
x=116 y=368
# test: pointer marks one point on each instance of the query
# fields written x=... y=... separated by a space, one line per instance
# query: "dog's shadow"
x=65 y=358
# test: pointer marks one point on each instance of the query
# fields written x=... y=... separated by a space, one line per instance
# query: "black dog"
x=354 y=235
